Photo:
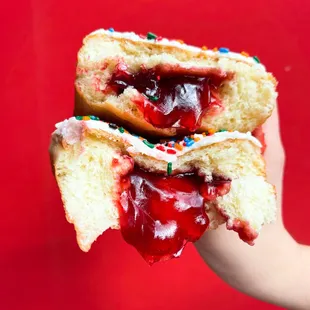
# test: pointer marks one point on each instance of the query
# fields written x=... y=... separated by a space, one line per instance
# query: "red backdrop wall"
x=41 y=265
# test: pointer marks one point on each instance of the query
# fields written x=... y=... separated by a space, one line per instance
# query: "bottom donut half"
x=160 y=195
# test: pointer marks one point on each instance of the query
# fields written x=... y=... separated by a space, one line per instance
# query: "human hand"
x=274 y=269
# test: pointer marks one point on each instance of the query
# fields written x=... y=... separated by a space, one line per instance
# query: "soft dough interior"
x=88 y=182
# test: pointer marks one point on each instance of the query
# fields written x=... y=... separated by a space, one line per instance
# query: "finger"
x=272 y=130
x=274 y=155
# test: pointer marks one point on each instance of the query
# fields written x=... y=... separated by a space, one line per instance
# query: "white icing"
x=71 y=131
x=134 y=37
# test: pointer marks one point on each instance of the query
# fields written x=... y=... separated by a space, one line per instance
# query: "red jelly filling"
x=244 y=230
x=160 y=214
x=172 y=96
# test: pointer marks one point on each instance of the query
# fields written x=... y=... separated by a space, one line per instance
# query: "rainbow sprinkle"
x=111 y=29
x=149 y=144
x=169 y=168
x=121 y=129
x=94 y=118
x=256 y=59
x=153 y=98
x=224 y=50
x=245 y=54
x=113 y=126
x=178 y=146
x=87 y=118
x=160 y=148
x=171 y=151
x=204 y=48
x=151 y=36
x=190 y=142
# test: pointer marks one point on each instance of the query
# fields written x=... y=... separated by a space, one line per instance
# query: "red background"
x=41 y=265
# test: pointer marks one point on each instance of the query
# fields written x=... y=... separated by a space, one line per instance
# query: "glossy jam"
x=171 y=96
x=244 y=230
x=160 y=214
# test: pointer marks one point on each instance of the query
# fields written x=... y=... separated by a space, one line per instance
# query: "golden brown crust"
x=106 y=111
